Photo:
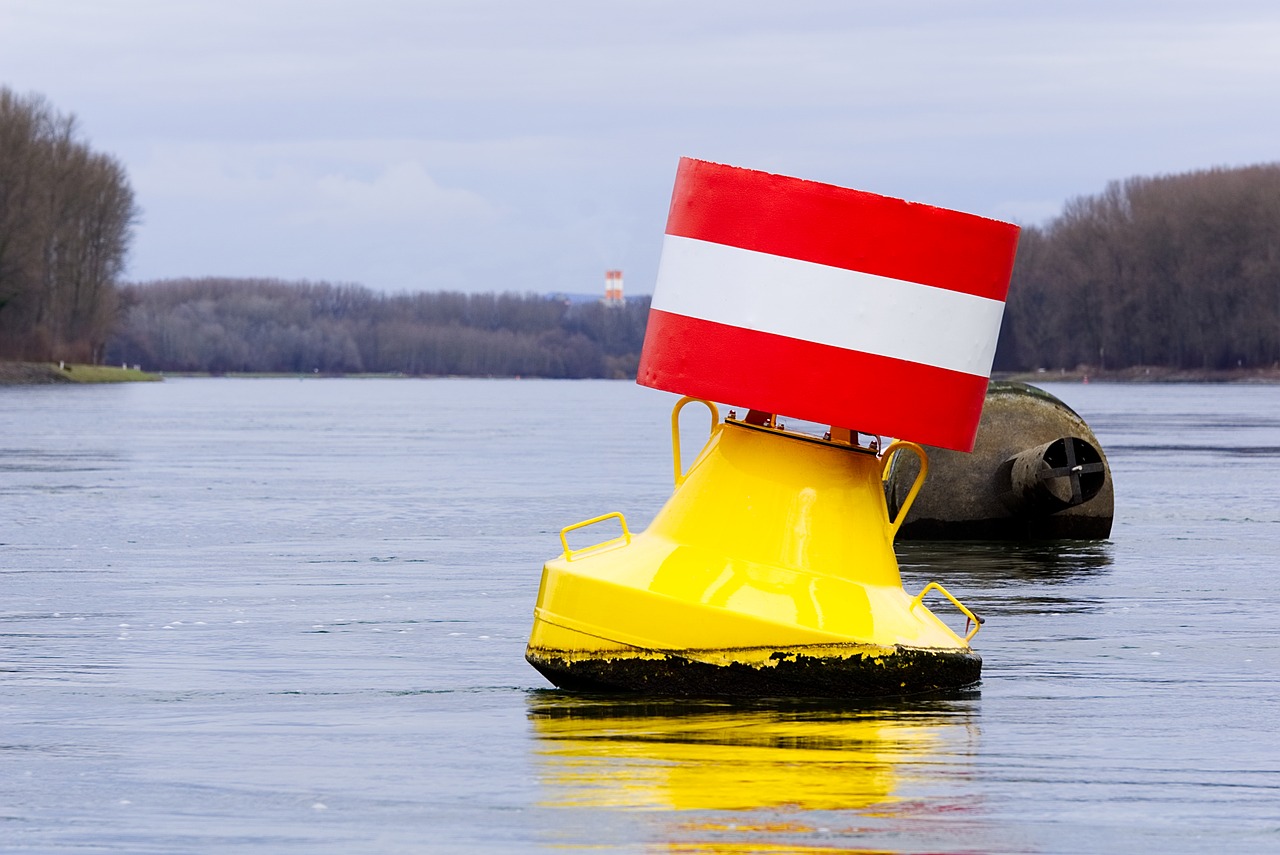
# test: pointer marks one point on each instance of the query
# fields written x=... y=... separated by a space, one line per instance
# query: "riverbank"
x=48 y=373
x=1144 y=374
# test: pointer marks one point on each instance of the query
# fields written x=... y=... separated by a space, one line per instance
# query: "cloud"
x=342 y=186
x=400 y=192
x=323 y=211
x=396 y=140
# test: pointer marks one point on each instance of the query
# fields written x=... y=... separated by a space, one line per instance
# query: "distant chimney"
x=613 y=288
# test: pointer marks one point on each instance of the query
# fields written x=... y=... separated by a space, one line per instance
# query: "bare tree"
x=66 y=218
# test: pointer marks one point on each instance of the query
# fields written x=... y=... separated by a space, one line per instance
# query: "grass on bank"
x=36 y=373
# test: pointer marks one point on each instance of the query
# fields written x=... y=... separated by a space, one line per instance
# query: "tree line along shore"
x=263 y=326
x=1165 y=277
x=1173 y=273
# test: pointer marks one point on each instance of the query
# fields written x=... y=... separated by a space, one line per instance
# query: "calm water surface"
x=289 y=616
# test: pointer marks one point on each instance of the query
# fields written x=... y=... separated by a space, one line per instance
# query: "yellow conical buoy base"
x=769 y=572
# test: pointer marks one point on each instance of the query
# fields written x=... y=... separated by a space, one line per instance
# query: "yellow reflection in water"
x=779 y=760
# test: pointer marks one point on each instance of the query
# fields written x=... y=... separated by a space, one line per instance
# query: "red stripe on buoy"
x=840 y=227
x=816 y=382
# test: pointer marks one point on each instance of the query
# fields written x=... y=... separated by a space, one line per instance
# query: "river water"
x=288 y=615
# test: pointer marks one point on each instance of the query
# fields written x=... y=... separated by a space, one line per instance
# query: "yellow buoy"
x=769 y=572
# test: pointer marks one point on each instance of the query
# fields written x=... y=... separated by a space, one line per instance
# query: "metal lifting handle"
x=675 y=431
x=970 y=617
x=885 y=460
x=624 y=538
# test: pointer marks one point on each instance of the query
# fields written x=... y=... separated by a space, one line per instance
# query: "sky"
x=529 y=145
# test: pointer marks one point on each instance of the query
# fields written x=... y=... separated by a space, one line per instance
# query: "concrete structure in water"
x=1036 y=472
